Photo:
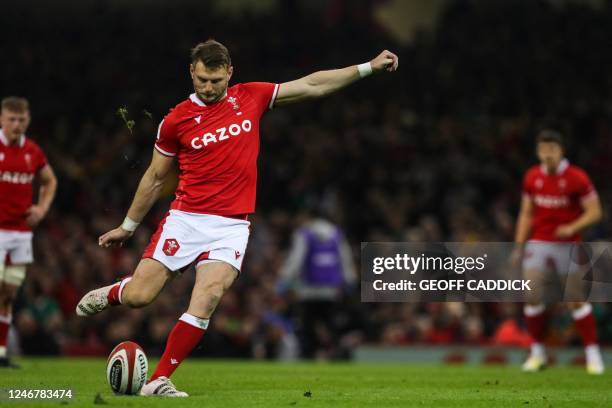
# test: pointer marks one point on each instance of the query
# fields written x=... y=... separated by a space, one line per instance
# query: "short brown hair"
x=549 y=136
x=212 y=54
x=15 y=104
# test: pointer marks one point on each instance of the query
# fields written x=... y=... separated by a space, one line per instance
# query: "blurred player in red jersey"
x=214 y=134
x=21 y=160
x=559 y=201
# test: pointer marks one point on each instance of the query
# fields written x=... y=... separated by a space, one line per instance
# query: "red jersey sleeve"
x=264 y=94
x=167 y=137
x=584 y=186
x=527 y=184
x=41 y=159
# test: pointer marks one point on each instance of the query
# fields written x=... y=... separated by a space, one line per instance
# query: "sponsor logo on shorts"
x=237 y=253
x=171 y=246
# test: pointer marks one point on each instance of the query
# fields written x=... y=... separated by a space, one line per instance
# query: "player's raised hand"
x=34 y=215
x=385 y=61
x=114 y=238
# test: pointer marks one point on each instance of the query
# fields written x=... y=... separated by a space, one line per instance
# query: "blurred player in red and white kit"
x=214 y=134
x=21 y=161
x=559 y=201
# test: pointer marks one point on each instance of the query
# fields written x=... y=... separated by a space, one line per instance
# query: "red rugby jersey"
x=217 y=147
x=556 y=198
x=19 y=164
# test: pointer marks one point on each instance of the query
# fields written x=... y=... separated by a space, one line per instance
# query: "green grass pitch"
x=252 y=384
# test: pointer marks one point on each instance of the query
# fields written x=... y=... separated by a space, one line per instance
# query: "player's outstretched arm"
x=323 y=83
x=146 y=195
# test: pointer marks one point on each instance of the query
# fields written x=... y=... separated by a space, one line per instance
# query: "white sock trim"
x=582 y=312
x=195 y=321
x=533 y=310
x=2 y=351
x=6 y=319
x=121 y=286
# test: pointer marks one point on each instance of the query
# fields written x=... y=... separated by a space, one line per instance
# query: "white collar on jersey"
x=563 y=165
x=194 y=98
x=5 y=141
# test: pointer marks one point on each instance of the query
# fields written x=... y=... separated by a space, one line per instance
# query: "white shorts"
x=17 y=245
x=183 y=238
x=560 y=257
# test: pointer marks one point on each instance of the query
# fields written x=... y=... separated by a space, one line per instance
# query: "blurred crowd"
x=434 y=152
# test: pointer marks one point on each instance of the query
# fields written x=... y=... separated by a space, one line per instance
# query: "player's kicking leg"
x=213 y=279
x=139 y=290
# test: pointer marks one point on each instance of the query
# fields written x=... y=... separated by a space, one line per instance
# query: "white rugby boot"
x=94 y=301
x=594 y=362
x=537 y=359
x=161 y=387
x=534 y=363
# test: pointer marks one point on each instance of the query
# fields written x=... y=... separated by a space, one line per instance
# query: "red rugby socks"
x=5 y=325
x=183 y=338
x=114 y=295
x=585 y=324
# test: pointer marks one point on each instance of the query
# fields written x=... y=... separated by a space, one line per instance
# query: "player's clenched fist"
x=114 y=238
x=386 y=61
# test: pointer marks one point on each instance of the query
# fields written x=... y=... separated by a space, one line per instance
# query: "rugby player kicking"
x=214 y=134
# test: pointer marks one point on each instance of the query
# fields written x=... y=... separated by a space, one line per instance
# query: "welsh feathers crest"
x=234 y=102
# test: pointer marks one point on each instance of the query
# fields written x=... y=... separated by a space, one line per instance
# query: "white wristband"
x=129 y=224
x=364 y=69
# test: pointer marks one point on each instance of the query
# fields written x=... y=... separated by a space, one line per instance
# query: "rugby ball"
x=126 y=368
